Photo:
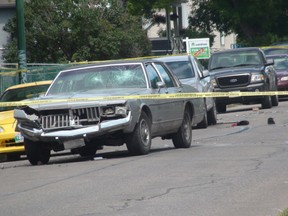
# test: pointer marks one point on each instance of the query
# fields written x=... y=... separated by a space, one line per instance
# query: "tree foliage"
x=257 y=22
x=148 y=7
x=78 y=30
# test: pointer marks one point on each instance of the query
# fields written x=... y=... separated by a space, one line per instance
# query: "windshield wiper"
x=245 y=64
x=217 y=68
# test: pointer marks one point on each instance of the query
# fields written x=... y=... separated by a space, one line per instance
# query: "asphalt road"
x=229 y=171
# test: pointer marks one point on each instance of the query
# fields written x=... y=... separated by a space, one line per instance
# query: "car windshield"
x=235 y=58
x=23 y=93
x=182 y=69
x=99 y=77
x=280 y=63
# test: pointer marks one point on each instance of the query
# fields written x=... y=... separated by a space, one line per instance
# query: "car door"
x=166 y=113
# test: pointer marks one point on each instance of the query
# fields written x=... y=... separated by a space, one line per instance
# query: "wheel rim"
x=145 y=132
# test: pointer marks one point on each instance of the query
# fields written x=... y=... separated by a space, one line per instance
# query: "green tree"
x=256 y=23
x=78 y=30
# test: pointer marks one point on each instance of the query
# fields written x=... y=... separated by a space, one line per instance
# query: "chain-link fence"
x=10 y=75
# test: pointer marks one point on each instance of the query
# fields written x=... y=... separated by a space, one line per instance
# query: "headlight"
x=285 y=78
x=213 y=82
x=1 y=129
x=257 y=77
x=121 y=111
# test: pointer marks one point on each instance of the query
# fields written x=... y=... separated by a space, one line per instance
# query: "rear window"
x=182 y=69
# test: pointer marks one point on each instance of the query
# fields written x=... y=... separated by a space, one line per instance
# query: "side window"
x=152 y=76
x=166 y=77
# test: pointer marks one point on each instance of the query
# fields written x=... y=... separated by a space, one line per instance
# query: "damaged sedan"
x=75 y=119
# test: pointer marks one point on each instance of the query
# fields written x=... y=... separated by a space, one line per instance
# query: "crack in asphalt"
x=71 y=177
x=128 y=202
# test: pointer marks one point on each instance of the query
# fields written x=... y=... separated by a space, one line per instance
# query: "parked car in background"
x=281 y=67
x=190 y=71
x=11 y=142
x=243 y=70
x=85 y=126
x=275 y=50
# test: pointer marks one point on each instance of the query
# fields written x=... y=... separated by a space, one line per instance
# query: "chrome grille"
x=231 y=81
x=72 y=118
x=55 y=121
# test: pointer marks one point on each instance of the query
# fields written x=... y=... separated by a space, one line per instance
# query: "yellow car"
x=11 y=142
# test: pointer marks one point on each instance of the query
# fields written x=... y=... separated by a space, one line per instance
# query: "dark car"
x=281 y=67
x=191 y=72
x=83 y=123
x=275 y=50
x=243 y=70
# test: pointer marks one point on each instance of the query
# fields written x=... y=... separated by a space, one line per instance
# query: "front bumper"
x=86 y=132
x=258 y=87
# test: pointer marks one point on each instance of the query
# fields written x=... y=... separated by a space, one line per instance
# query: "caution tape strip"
x=150 y=96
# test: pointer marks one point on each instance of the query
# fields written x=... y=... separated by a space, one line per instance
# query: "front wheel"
x=275 y=100
x=36 y=153
x=139 y=142
x=267 y=102
x=183 y=137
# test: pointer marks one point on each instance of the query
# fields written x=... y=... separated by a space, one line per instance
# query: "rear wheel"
x=139 y=142
x=183 y=137
x=212 y=115
x=221 y=108
x=204 y=122
x=36 y=153
x=267 y=102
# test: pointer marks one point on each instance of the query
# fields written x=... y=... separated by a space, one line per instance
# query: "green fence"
x=10 y=75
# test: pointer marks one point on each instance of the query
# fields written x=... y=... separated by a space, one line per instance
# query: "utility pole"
x=22 y=65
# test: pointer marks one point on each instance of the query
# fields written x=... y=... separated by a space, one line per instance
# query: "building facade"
x=182 y=9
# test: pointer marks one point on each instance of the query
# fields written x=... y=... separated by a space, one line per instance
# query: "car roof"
x=29 y=84
x=277 y=55
x=111 y=62
x=172 y=58
x=238 y=49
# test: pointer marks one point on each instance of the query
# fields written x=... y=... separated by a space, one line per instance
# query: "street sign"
x=198 y=47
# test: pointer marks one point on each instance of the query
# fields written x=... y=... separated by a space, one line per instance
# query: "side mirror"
x=160 y=84
x=270 y=62
x=205 y=73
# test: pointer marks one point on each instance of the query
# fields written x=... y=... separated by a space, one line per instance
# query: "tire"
x=204 y=122
x=139 y=142
x=183 y=137
x=275 y=100
x=221 y=108
x=212 y=115
x=267 y=102
x=36 y=153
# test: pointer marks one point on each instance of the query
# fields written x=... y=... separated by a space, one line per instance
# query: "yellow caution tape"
x=150 y=96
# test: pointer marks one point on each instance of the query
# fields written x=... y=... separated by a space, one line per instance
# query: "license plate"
x=19 y=138
x=70 y=144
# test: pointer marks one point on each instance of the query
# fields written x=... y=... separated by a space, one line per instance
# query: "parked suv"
x=243 y=70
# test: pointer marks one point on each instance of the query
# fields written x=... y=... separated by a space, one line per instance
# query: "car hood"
x=236 y=70
x=52 y=102
x=6 y=117
x=281 y=73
